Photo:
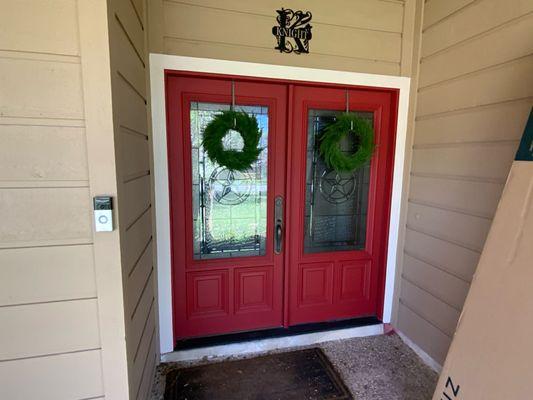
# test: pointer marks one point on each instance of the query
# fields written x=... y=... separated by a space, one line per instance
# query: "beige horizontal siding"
x=130 y=63
x=143 y=351
x=475 y=19
x=26 y=26
x=443 y=285
x=44 y=274
x=477 y=54
x=48 y=328
x=44 y=215
x=502 y=121
x=50 y=338
x=132 y=114
x=132 y=24
x=366 y=36
x=441 y=254
x=135 y=154
x=137 y=191
x=140 y=305
x=139 y=9
x=440 y=10
x=475 y=93
x=149 y=364
x=372 y=15
x=65 y=376
x=194 y=48
x=137 y=238
x=442 y=315
x=236 y=28
x=423 y=333
x=486 y=161
x=489 y=86
x=139 y=351
x=139 y=275
x=21 y=149
x=52 y=89
x=466 y=196
x=462 y=229
x=128 y=66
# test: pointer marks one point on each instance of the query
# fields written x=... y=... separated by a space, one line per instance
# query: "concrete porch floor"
x=374 y=368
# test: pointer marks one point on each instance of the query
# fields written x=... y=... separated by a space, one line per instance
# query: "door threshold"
x=296 y=336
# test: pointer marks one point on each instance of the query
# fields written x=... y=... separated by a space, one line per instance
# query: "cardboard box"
x=491 y=356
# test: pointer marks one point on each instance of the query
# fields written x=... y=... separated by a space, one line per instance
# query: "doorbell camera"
x=103 y=213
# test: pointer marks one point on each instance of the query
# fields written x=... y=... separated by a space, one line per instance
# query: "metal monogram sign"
x=293 y=31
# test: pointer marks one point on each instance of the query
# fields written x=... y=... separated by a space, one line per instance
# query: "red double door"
x=288 y=241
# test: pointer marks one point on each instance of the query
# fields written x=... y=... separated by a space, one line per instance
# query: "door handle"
x=278 y=225
x=278 y=238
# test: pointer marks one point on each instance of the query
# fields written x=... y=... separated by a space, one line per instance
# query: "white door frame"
x=161 y=62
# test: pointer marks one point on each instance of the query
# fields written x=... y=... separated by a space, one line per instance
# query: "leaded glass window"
x=336 y=202
x=229 y=208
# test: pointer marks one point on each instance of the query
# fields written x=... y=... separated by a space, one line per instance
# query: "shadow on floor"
x=373 y=368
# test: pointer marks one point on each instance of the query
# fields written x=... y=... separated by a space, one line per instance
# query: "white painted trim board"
x=161 y=62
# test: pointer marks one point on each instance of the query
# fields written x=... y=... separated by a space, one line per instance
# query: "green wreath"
x=332 y=154
x=246 y=125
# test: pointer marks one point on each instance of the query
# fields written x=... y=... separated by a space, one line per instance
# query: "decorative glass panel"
x=336 y=202
x=229 y=208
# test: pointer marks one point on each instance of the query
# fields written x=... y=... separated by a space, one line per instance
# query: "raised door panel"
x=208 y=294
x=353 y=281
x=316 y=284
x=253 y=289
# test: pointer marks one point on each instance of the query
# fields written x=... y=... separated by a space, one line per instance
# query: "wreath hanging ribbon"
x=220 y=126
x=334 y=157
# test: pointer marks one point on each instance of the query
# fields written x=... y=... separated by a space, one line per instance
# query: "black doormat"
x=297 y=375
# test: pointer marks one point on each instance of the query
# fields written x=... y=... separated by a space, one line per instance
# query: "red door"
x=227 y=276
x=339 y=221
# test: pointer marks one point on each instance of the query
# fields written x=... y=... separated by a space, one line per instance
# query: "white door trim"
x=161 y=62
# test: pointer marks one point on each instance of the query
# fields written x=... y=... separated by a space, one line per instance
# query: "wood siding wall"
x=73 y=124
x=475 y=92
x=50 y=345
x=372 y=36
x=127 y=24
